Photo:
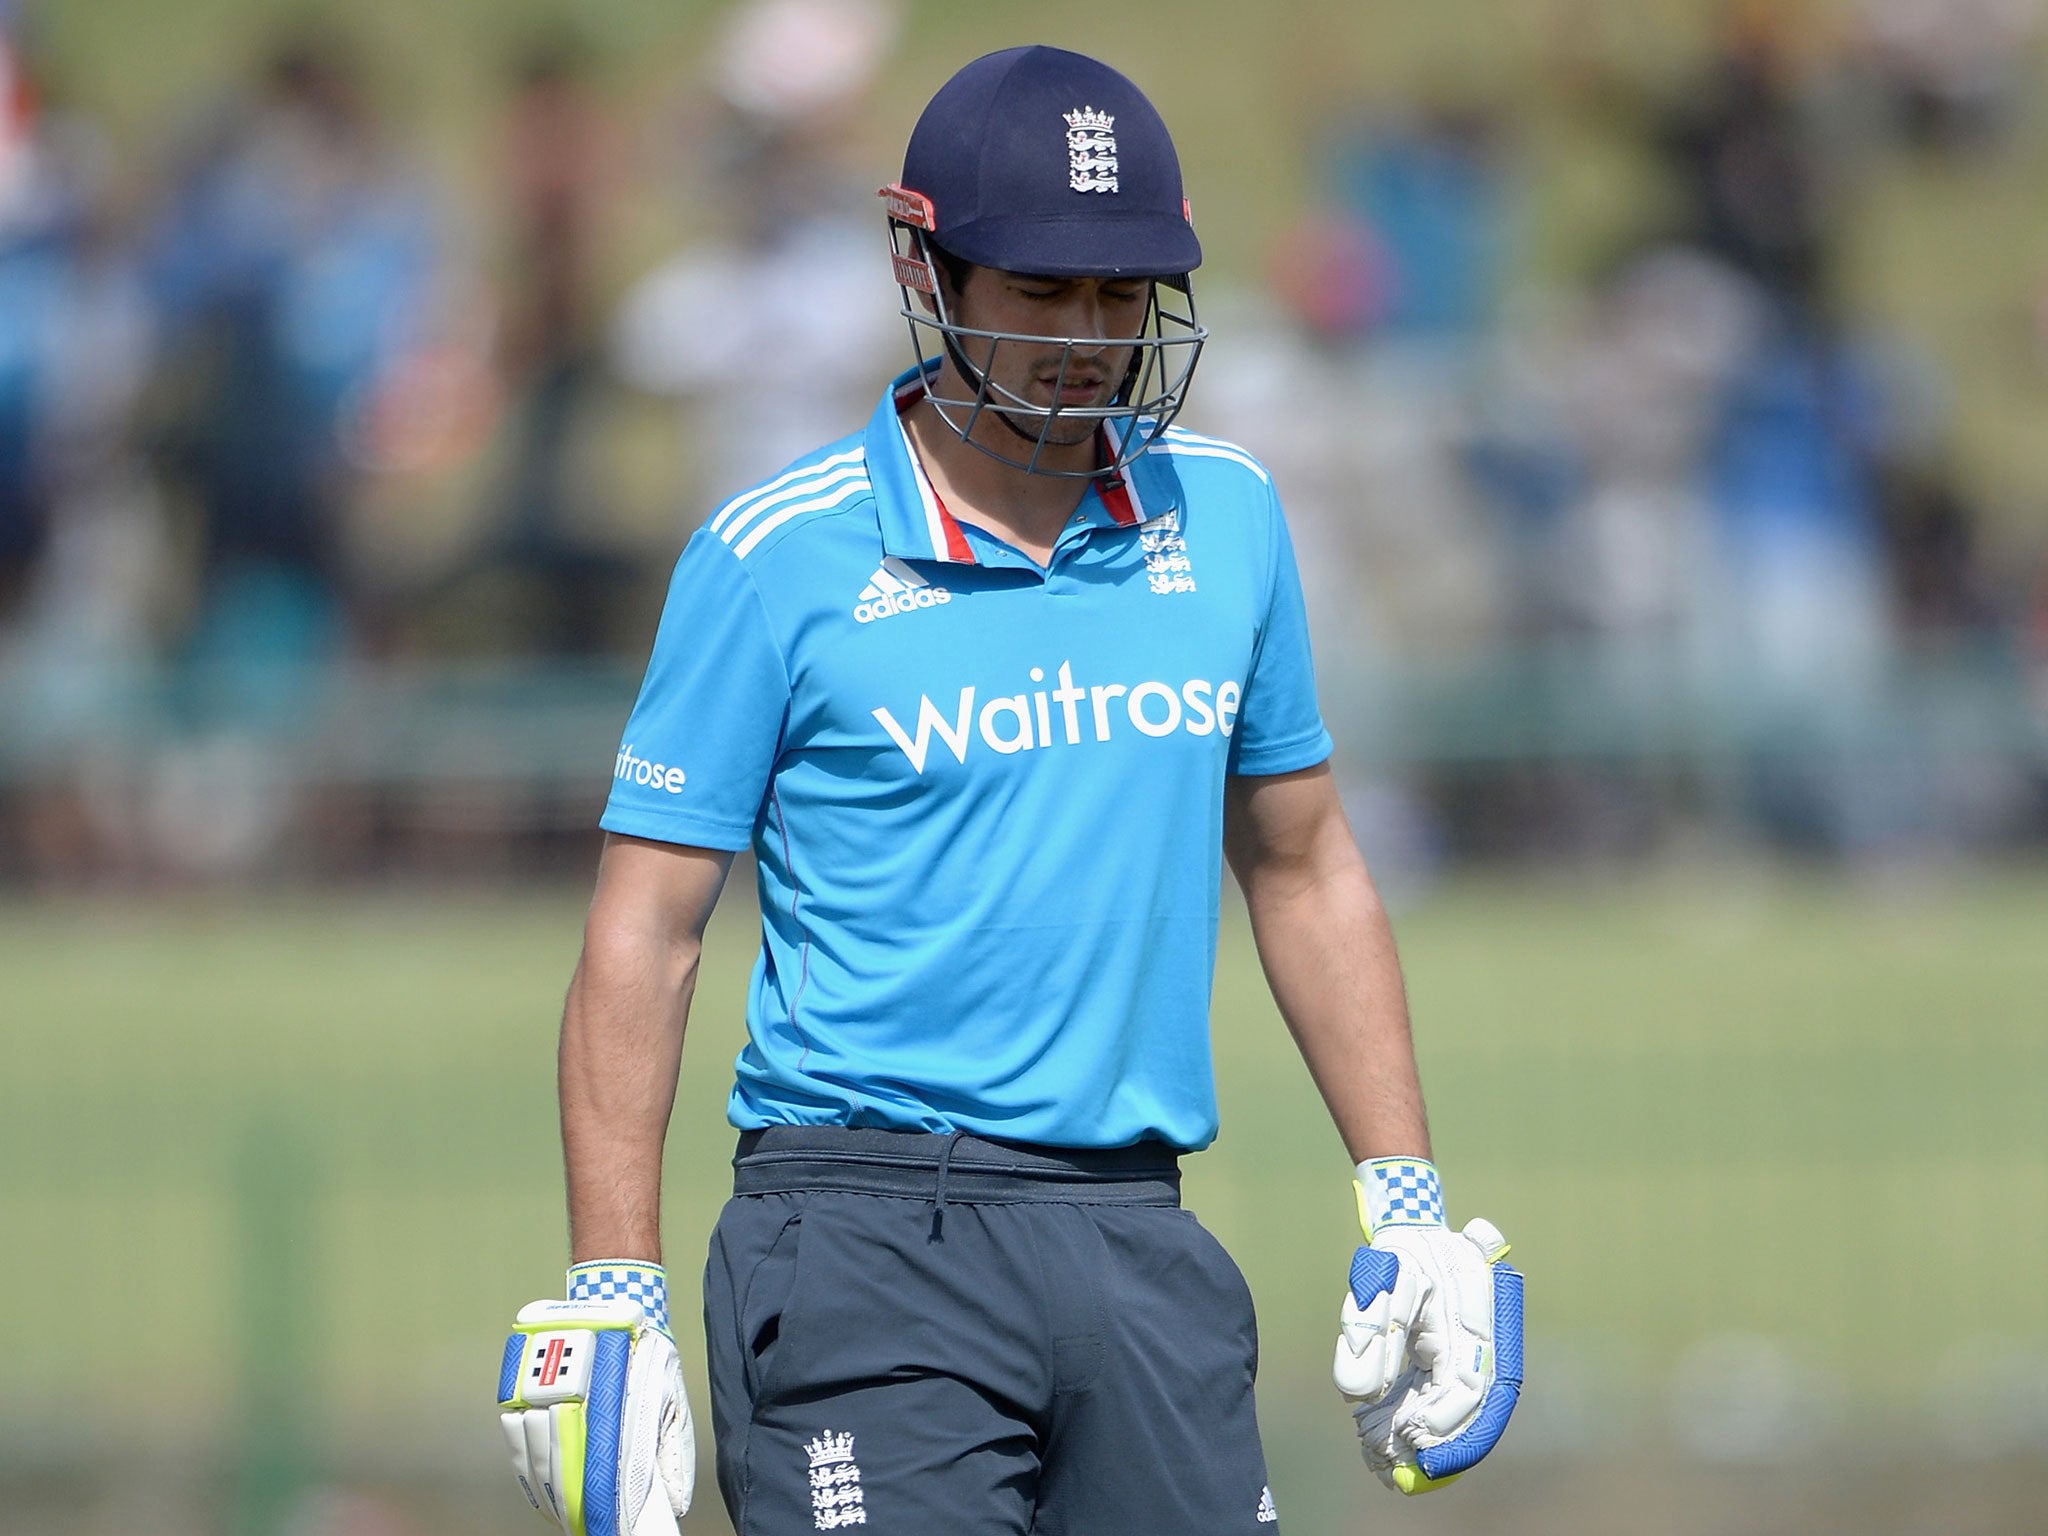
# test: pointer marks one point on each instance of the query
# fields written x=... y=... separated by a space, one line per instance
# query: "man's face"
x=1100 y=310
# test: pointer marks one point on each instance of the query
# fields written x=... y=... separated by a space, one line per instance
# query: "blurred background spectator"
x=543 y=579
x=1950 y=75
x=291 y=267
x=768 y=329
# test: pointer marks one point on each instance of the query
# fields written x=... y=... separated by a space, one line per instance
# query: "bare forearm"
x=622 y=1040
x=1328 y=953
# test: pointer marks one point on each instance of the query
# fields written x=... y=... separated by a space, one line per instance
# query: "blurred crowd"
x=296 y=417
x=1700 y=507
x=1540 y=528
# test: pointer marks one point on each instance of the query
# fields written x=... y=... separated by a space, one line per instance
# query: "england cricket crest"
x=1167 y=566
x=1091 y=150
x=836 y=1496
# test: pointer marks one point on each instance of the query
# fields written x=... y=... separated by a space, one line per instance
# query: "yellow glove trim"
x=572 y=1435
x=1411 y=1479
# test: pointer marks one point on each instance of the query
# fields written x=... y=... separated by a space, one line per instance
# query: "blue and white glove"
x=591 y=1397
x=1430 y=1342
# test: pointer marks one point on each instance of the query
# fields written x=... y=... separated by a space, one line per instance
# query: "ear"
x=957 y=277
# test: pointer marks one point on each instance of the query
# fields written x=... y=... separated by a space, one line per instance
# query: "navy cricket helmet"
x=1051 y=164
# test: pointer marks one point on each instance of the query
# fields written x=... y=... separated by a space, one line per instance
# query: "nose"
x=1085 y=315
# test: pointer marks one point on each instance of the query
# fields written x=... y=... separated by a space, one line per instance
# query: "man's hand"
x=591 y=1398
x=1430 y=1346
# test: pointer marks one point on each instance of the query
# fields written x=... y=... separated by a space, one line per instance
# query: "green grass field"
x=1711 y=1108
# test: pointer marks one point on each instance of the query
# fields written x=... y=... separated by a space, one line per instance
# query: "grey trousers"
x=945 y=1336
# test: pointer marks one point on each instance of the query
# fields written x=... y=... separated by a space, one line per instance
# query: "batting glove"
x=591 y=1397
x=1430 y=1342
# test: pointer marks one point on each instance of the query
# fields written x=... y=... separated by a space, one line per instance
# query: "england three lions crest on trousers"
x=837 y=1499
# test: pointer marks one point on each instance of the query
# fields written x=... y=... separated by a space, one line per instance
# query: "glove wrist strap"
x=1398 y=1192
x=623 y=1280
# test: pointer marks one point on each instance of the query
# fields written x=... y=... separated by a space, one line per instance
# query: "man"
x=989 y=687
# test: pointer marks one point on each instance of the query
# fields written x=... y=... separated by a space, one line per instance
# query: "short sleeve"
x=703 y=737
x=1279 y=726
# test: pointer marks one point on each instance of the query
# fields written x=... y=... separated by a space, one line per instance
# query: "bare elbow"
x=628 y=952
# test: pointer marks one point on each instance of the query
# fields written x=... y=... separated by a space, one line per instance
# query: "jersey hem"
x=932 y=1123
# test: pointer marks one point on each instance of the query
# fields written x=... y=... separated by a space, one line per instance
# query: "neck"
x=1028 y=510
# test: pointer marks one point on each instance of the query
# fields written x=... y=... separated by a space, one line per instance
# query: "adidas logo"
x=896 y=588
x=1267 y=1513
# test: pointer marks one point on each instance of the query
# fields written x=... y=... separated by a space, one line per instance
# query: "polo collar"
x=914 y=520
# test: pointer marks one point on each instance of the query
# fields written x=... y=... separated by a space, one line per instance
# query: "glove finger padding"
x=658 y=1442
x=1382 y=1447
x=1465 y=1344
x=1372 y=1339
x=591 y=1398
x=1452 y=1340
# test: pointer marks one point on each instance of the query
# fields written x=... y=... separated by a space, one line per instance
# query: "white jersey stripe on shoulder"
x=1204 y=451
x=763 y=492
x=1183 y=435
x=736 y=526
x=783 y=514
x=851 y=456
x=740 y=517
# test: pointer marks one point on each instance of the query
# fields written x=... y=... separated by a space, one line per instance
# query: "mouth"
x=1074 y=391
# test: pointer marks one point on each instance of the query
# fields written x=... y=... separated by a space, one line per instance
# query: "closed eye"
x=1047 y=291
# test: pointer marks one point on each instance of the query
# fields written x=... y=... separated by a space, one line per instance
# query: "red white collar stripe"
x=1118 y=488
x=949 y=540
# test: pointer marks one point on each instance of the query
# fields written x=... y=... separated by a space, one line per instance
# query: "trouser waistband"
x=970 y=1170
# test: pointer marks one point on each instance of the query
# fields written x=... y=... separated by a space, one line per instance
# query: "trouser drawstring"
x=939 y=1193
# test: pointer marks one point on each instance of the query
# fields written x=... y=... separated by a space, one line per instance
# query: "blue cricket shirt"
x=986 y=798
